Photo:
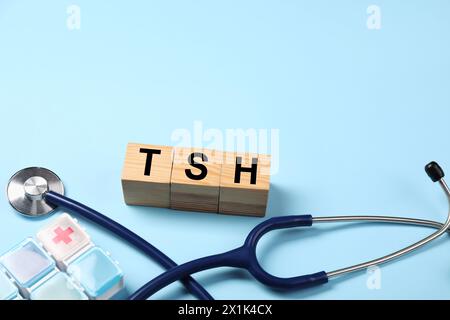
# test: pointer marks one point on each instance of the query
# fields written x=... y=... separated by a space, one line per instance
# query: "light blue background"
x=360 y=112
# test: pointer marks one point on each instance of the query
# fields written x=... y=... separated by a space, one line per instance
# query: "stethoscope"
x=38 y=191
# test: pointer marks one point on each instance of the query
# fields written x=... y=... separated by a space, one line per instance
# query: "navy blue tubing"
x=243 y=257
x=59 y=200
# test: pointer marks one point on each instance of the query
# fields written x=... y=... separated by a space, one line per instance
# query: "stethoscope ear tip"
x=434 y=171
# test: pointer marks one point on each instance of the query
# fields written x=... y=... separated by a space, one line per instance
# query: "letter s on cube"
x=196 y=179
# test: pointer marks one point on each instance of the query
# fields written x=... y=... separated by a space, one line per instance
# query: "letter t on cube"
x=146 y=175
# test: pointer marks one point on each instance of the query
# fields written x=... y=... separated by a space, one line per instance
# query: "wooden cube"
x=196 y=179
x=146 y=175
x=244 y=184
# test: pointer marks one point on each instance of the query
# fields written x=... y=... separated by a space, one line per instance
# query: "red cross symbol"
x=63 y=235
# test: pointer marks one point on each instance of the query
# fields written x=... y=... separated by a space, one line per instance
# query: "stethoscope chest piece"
x=27 y=188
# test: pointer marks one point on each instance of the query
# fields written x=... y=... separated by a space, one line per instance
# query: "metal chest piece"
x=27 y=188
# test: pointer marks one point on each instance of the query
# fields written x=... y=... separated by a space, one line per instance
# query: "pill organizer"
x=61 y=264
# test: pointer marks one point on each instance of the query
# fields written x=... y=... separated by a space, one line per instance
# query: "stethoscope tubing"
x=243 y=257
x=132 y=238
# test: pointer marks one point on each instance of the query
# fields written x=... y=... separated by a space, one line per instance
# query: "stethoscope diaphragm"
x=27 y=188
